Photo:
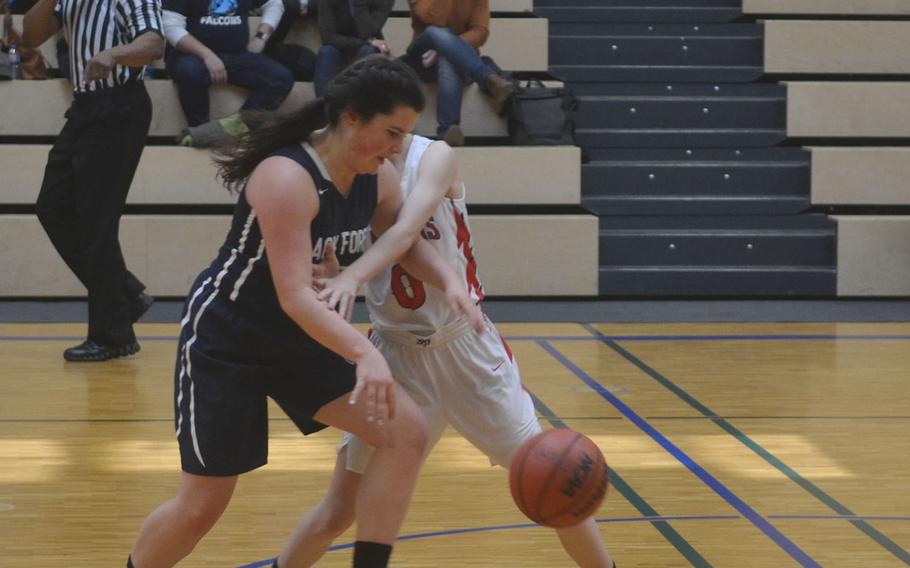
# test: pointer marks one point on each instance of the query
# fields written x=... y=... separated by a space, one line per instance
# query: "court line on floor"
x=493 y=528
x=587 y=418
x=620 y=484
x=795 y=337
x=839 y=517
x=807 y=485
x=712 y=482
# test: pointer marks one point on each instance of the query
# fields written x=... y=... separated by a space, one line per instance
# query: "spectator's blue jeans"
x=268 y=81
x=328 y=63
x=458 y=64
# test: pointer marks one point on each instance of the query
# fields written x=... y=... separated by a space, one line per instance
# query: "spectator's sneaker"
x=92 y=351
x=453 y=136
x=498 y=88
x=140 y=305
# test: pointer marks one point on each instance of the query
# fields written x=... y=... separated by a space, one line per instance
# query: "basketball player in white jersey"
x=456 y=375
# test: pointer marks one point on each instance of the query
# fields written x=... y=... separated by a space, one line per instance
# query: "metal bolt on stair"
x=633 y=110
x=716 y=88
x=726 y=176
x=749 y=246
x=706 y=110
x=650 y=176
x=669 y=87
x=685 y=48
x=672 y=246
x=615 y=47
x=688 y=152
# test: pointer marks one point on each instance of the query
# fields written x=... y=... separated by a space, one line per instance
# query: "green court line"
x=637 y=501
x=807 y=485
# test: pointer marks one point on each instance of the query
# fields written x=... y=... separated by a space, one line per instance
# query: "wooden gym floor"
x=734 y=445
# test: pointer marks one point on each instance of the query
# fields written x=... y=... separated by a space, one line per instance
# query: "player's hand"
x=429 y=58
x=328 y=267
x=375 y=388
x=460 y=303
x=215 y=66
x=99 y=67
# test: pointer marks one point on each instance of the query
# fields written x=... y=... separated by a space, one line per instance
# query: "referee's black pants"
x=88 y=175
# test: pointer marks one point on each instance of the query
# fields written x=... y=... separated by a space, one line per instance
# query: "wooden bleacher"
x=838 y=102
x=518 y=254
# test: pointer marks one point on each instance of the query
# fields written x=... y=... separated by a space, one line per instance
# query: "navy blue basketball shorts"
x=222 y=382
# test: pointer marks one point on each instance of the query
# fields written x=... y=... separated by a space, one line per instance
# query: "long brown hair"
x=370 y=86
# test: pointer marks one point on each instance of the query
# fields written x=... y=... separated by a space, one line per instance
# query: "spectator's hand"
x=429 y=58
x=382 y=46
x=99 y=67
x=256 y=45
x=215 y=65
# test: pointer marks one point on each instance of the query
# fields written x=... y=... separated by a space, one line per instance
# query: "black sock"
x=275 y=564
x=371 y=554
x=129 y=562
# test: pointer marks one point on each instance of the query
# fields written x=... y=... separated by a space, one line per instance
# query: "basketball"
x=558 y=478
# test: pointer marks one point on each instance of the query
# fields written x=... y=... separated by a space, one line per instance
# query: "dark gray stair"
x=693 y=197
x=708 y=281
x=631 y=13
x=676 y=138
x=626 y=50
x=697 y=182
x=722 y=255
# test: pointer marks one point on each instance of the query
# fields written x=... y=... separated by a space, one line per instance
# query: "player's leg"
x=388 y=481
x=585 y=545
x=172 y=530
x=489 y=407
x=326 y=522
x=222 y=432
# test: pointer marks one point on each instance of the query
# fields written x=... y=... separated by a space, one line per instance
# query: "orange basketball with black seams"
x=558 y=478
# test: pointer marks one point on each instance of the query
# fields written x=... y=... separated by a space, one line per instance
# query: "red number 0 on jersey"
x=408 y=290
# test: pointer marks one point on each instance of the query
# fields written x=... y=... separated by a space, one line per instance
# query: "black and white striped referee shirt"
x=91 y=26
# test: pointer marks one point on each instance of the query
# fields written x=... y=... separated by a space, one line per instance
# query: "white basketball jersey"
x=398 y=300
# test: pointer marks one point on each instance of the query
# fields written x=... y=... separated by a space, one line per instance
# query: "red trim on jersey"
x=508 y=349
x=463 y=234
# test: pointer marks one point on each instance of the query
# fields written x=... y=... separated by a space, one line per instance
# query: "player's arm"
x=39 y=23
x=400 y=228
x=285 y=203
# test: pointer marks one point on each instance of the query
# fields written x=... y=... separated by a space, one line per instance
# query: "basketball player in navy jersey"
x=253 y=327
x=458 y=377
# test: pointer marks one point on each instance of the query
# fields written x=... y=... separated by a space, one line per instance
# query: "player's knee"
x=199 y=516
x=413 y=430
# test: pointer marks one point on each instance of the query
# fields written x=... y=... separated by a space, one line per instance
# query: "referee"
x=90 y=168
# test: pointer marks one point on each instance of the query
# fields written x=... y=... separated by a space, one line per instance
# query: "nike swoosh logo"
x=323 y=190
x=496 y=368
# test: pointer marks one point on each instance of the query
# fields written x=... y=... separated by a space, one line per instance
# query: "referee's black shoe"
x=92 y=351
x=140 y=305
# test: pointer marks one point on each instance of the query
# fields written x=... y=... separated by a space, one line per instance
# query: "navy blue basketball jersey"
x=240 y=279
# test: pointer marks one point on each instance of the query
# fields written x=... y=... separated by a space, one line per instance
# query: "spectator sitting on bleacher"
x=448 y=35
x=301 y=60
x=350 y=29
x=210 y=43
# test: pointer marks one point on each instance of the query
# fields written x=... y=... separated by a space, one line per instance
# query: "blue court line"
x=807 y=485
x=620 y=484
x=839 y=517
x=821 y=337
x=748 y=512
x=494 y=528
